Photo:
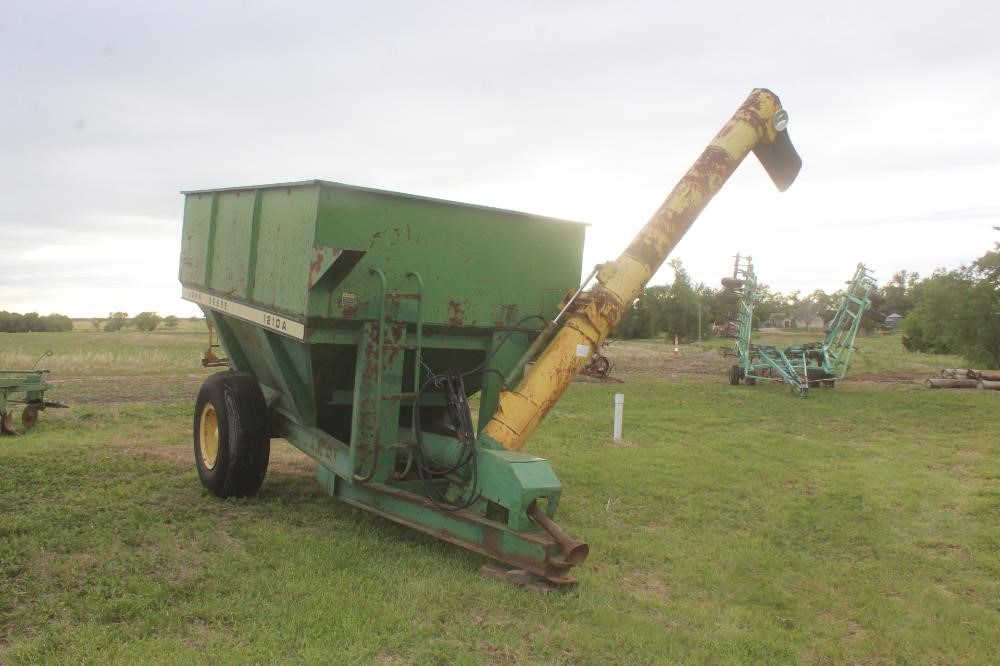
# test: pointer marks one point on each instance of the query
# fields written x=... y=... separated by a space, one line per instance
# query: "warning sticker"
x=583 y=351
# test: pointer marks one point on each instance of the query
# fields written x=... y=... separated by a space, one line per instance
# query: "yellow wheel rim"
x=209 y=427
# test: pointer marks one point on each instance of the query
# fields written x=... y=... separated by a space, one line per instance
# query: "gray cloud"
x=587 y=110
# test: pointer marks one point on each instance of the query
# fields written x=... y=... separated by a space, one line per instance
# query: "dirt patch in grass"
x=119 y=389
x=889 y=377
x=654 y=360
x=285 y=459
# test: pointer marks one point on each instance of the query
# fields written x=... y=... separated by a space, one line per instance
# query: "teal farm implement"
x=23 y=387
x=359 y=323
x=801 y=366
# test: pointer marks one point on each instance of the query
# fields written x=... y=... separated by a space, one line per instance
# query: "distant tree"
x=116 y=321
x=680 y=312
x=96 y=322
x=30 y=322
x=817 y=305
x=170 y=322
x=12 y=322
x=958 y=312
x=768 y=303
x=55 y=323
x=146 y=321
x=899 y=293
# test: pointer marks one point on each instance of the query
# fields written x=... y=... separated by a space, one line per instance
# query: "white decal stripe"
x=268 y=320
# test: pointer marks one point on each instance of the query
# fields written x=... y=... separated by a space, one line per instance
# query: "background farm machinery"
x=801 y=366
x=358 y=323
x=29 y=386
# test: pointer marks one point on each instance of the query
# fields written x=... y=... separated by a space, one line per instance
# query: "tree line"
x=674 y=309
x=144 y=321
x=956 y=312
x=32 y=322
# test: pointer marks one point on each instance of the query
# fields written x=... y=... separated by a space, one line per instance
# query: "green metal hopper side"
x=346 y=307
x=302 y=251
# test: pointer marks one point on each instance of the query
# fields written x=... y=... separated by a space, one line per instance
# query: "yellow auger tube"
x=758 y=126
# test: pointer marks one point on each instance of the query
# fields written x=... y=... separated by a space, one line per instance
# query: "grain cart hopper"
x=800 y=366
x=359 y=322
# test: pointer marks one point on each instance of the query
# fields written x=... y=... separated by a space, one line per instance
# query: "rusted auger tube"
x=758 y=126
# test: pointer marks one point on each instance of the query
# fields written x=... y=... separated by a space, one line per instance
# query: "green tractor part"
x=800 y=366
x=30 y=386
x=358 y=324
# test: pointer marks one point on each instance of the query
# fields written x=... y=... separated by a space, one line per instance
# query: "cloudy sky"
x=582 y=110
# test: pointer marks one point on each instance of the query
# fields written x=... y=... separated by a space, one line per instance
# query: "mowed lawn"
x=733 y=525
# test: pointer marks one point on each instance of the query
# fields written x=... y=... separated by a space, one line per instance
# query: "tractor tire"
x=732 y=283
x=734 y=374
x=728 y=297
x=7 y=424
x=232 y=442
x=29 y=417
x=601 y=366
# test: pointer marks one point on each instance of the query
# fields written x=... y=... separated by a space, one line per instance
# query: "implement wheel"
x=29 y=417
x=231 y=439
x=7 y=424
x=735 y=372
x=601 y=365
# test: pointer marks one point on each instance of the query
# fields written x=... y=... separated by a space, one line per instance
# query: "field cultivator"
x=30 y=387
x=801 y=366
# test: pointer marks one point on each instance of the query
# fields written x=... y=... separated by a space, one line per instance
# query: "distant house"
x=892 y=321
x=786 y=320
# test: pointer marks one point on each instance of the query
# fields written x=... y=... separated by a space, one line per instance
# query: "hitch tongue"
x=574 y=550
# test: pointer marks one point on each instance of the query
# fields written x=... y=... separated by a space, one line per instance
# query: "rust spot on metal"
x=456 y=316
x=316 y=266
x=666 y=227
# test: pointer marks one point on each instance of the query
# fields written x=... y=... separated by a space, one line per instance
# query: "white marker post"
x=616 y=434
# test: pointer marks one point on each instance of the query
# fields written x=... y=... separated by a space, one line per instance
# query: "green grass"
x=733 y=525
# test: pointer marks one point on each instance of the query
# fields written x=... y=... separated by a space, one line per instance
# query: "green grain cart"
x=357 y=322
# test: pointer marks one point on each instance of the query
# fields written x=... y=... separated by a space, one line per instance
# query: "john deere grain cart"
x=359 y=322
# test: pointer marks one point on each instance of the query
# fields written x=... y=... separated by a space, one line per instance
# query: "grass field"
x=733 y=525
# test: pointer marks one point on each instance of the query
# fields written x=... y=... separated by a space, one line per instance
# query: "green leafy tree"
x=146 y=321
x=899 y=293
x=116 y=321
x=958 y=312
x=680 y=311
x=170 y=322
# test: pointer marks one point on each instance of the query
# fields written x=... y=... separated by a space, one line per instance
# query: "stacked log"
x=937 y=382
x=966 y=378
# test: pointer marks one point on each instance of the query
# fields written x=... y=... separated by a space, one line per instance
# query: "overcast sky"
x=580 y=110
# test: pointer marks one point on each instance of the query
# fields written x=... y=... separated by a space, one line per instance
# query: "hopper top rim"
x=359 y=188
